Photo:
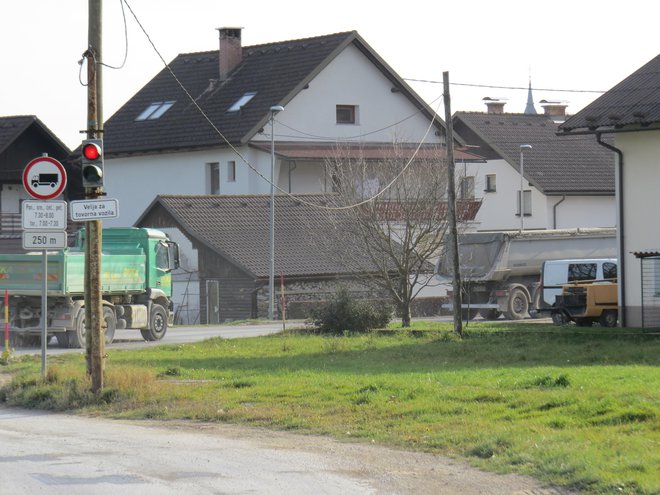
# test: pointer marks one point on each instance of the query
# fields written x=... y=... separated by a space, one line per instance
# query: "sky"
x=585 y=45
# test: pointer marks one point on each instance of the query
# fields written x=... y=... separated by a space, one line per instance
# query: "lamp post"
x=522 y=195
x=274 y=110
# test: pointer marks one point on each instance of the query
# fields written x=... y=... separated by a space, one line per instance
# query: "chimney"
x=495 y=105
x=231 y=51
x=554 y=109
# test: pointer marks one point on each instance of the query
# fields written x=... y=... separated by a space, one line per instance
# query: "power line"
x=491 y=86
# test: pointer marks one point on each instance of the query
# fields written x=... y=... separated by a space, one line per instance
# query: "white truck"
x=500 y=271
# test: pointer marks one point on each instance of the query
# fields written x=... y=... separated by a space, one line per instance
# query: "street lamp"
x=274 y=110
x=522 y=195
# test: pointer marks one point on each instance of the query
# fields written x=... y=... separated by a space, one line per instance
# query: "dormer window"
x=241 y=102
x=155 y=110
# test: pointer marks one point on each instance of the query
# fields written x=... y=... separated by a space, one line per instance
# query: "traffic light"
x=92 y=163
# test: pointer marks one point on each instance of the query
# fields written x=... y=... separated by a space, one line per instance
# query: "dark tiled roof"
x=554 y=165
x=12 y=127
x=275 y=71
x=634 y=101
x=237 y=228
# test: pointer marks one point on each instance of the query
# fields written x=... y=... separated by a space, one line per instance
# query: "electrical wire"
x=233 y=148
x=123 y=13
x=490 y=86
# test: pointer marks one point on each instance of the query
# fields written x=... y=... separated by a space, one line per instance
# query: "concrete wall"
x=641 y=177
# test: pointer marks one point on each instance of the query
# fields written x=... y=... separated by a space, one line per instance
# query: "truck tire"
x=559 y=318
x=609 y=318
x=517 y=305
x=157 y=324
x=76 y=338
x=110 y=324
x=490 y=313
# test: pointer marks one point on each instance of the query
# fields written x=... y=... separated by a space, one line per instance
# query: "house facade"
x=565 y=183
x=23 y=138
x=629 y=116
x=335 y=91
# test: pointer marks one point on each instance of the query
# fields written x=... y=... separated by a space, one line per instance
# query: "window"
x=466 y=188
x=581 y=271
x=346 y=114
x=155 y=110
x=609 y=271
x=231 y=171
x=491 y=185
x=527 y=200
x=242 y=101
x=213 y=178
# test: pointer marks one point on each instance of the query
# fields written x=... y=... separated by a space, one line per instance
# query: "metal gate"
x=650 y=265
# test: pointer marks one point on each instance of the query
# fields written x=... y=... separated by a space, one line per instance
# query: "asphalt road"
x=58 y=454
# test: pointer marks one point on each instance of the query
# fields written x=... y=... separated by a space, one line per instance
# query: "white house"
x=566 y=183
x=206 y=124
x=630 y=114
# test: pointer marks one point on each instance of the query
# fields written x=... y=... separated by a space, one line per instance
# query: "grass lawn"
x=579 y=407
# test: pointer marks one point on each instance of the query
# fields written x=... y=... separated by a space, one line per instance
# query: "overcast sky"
x=573 y=45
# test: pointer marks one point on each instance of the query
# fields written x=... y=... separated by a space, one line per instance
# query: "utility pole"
x=451 y=202
x=94 y=322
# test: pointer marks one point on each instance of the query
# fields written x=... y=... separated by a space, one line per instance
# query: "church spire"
x=529 y=108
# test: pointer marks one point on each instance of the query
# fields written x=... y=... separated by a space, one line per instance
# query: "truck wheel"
x=609 y=318
x=490 y=313
x=157 y=324
x=518 y=305
x=110 y=324
x=559 y=318
x=77 y=338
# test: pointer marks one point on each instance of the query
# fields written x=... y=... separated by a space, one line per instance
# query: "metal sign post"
x=44 y=224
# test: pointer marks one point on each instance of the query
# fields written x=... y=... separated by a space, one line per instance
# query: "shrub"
x=345 y=313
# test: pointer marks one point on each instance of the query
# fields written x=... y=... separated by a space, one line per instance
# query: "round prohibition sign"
x=44 y=178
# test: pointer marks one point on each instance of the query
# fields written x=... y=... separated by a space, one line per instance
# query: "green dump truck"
x=136 y=287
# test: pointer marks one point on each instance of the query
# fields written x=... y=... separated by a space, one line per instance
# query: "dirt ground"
x=386 y=470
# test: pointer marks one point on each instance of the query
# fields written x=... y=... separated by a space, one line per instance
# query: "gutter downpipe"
x=621 y=230
x=554 y=211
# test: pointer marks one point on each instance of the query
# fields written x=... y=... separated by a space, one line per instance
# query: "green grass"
x=574 y=406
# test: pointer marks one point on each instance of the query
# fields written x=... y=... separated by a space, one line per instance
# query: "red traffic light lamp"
x=92 y=163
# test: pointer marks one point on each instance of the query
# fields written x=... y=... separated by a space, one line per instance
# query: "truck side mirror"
x=173 y=249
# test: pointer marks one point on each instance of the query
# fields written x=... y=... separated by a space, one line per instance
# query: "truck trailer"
x=136 y=287
x=500 y=271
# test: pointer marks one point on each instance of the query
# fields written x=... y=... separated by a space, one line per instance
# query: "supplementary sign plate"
x=44 y=239
x=94 y=209
x=44 y=215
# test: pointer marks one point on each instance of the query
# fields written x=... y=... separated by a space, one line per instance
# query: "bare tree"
x=396 y=236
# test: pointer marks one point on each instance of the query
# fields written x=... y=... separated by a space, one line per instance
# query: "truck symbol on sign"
x=45 y=180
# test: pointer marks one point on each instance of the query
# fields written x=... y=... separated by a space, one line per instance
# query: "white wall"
x=582 y=211
x=11 y=196
x=350 y=79
x=641 y=170
x=136 y=181
x=499 y=208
